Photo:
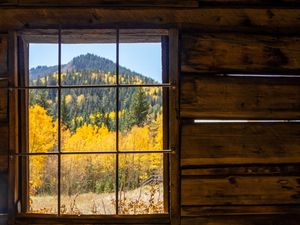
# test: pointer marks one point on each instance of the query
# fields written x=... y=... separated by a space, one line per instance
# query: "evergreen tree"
x=40 y=97
x=65 y=115
x=90 y=69
x=138 y=110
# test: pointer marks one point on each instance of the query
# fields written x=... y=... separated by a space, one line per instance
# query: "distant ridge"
x=83 y=62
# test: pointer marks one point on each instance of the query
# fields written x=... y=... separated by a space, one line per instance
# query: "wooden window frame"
x=18 y=69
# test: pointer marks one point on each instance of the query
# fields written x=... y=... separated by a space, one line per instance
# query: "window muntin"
x=68 y=157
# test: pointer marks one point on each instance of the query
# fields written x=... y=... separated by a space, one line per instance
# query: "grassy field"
x=143 y=200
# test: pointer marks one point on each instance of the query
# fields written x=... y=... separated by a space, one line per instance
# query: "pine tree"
x=65 y=115
x=138 y=109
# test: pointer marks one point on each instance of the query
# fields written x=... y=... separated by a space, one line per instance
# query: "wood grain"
x=8 y=2
x=240 y=97
x=13 y=180
x=3 y=101
x=3 y=192
x=239 y=143
x=3 y=55
x=40 y=219
x=243 y=220
x=3 y=148
x=156 y=3
x=94 y=35
x=3 y=220
x=192 y=211
x=246 y=2
x=115 y=3
x=240 y=53
x=257 y=20
x=242 y=170
x=174 y=127
x=238 y=190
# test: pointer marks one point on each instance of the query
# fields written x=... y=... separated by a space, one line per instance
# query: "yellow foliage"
x=137 y=139
x=90 y=138
x=80 y=98
x=55 y=76
x=158 y=140
x=42 y=132
x=112 y=115
x=68 y=98
x=42 y=138
x=94 y=76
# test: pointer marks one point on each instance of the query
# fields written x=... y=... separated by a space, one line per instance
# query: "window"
x=95 y=122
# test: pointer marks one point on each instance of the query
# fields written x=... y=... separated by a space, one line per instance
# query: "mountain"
x=86 y=62
x=41 y=71
x=82 y=105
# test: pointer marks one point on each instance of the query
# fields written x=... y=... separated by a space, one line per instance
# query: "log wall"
x=244 y=161
x=3 y=129
x=233 y=173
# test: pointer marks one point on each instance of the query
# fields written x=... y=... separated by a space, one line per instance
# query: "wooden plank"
x=272 y=20
x=3 y=219
x=76 y=221
x=3 y=148
x=3 y=55
x=3 y=192
x=19 y=222
x=240 y=3
x=160 y=3
x=8 y=2
x=40 y=219
x=93 y=35
x=192 y=211
x=243 y=220
x=115 y=3
x=238 y=190
x=174 y=127
x=240 y=143
x=13 y=125
x=240 y=97
x=240 y=53
x=245 y=170
x=3 y=101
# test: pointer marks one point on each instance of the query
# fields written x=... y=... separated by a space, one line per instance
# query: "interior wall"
x=3 y=129
x=235 y=168
x=231 y=173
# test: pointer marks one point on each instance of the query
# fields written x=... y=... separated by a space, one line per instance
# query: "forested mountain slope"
x=93 y=105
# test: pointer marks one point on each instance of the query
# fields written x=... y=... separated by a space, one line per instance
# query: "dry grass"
x=145 y=200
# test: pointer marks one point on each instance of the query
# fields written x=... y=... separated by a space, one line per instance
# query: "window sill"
x=92 y=219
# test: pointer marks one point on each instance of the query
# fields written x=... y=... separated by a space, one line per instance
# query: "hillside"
x=89 y=62
x=91 y=105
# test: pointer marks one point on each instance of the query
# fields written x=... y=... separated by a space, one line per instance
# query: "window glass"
x=94 y=103
x=43 y=188
x=88 y=184
x=141 y=123
x=43 y=64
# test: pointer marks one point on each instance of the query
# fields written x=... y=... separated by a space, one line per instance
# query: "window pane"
x=43 y=61
x=140 y=57
x=141 y=120
x=88 y=184
x=141 y=184
x=88 y=119
x=42 y=118
x=43 y=184
x=88 y=57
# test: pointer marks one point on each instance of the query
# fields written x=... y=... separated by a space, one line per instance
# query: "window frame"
x=171 y=95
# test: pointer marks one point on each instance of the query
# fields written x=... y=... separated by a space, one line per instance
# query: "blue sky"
x=144 y=58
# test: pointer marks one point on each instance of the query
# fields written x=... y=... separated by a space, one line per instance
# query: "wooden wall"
x=3 y=129
x=232 y=173
x=234 y=170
